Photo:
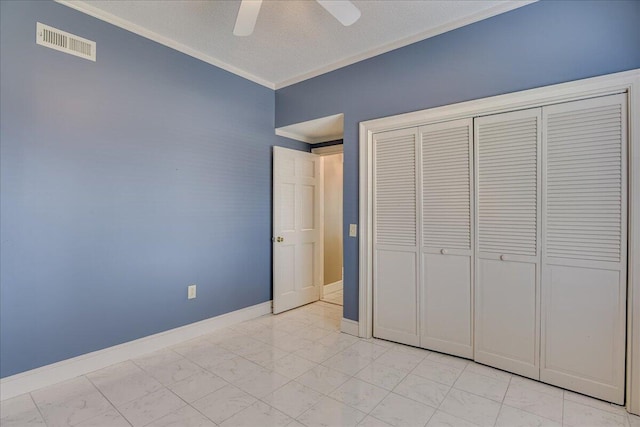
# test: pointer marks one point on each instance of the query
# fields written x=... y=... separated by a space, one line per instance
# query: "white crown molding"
x=488 y=13
x=86 y=8
x=44 y=376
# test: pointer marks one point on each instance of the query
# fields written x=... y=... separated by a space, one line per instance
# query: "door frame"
x=322 y=152
x=628 y=81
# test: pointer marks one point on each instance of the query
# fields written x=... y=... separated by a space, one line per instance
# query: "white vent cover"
x=64 y=42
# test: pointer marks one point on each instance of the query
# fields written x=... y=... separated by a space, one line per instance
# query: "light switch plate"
x=353 y=230
x=191 y=291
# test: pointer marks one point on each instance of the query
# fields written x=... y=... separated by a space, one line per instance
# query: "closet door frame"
x=627 y=81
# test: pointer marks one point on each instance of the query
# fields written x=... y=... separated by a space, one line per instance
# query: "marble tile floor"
x=297 y=369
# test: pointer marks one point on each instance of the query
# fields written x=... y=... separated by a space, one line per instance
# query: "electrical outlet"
x=191 y=291
x=353 y=230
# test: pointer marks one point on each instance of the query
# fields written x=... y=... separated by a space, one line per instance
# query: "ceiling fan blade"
x=343 y=10
x=247 y=16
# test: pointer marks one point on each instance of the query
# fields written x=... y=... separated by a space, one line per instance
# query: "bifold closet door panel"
x=395 y=246
x=446 y=199
x=446 y=313
x=395 y=297
x=584 y=247
x=507 y=330
x=507 y=316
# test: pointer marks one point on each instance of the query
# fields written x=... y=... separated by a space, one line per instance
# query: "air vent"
x=64 y=42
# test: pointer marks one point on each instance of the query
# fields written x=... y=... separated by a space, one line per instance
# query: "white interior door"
x=297 y=228
x=584 y=260
x=507 y=252
x=447 y=236
x=395 y=247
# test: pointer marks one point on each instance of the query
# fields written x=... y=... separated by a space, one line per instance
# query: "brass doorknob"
x=279 y=239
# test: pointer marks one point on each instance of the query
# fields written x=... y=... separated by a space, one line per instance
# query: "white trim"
x=320 y=202
x=329 y=150
x=321 y=129
x=628 y=81
x=365 y=259
x=485 y=14
x=34 y=379
x=296 y=136
x=633 y=255
x=166 y=41
x=349 y=326
x=333 y=287
x=304 y=138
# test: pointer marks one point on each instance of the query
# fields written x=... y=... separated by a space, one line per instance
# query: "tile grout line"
x=108 y=400
x=293 y=379
x=448 y=391
x=503 y=399
x=202 y=397
x=38 y=408
x=563 y=399
x=351 y=377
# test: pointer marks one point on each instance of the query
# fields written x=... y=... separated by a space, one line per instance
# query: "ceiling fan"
x=343 y=10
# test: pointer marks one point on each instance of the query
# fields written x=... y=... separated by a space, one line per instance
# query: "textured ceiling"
x=293 y=39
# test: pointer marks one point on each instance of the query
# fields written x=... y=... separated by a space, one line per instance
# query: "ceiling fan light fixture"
x=247 y=17
x=343 y=10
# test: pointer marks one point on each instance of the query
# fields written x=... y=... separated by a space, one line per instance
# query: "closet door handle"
x=503 y=257
x=444 y=251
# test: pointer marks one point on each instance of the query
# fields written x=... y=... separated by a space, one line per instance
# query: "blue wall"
x=122 y=182
x=537 y=45
x=125 y=180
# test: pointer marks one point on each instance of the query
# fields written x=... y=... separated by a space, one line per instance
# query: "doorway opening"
x=332 y=164
x=307 y=215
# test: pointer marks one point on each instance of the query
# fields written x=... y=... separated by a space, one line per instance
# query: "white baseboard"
x=70 y=368
x=333 y=287
x=349 y=326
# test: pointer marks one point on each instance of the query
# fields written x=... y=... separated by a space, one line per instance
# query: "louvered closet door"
x=446 y=175
x=395 y=264
x=584 y=251
x=507 y=253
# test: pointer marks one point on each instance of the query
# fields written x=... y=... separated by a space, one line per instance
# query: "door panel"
x=297 y=241
x=446 y=308
x=308 y=206
x=395 y=258
x=506 y=316
x=581 y=349
x=306 y=264
x=584 y=249
x=507 y=291
x=287 y=271
x=395 y=297
x=446 y=174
